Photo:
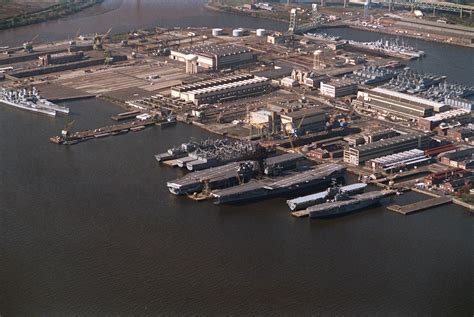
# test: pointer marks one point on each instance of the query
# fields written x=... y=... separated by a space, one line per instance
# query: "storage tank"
x=217 y=32
x=261 y=32
x=237 y=32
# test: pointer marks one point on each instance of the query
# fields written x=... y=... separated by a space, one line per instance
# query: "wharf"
x=420 y=205
x=117 y=129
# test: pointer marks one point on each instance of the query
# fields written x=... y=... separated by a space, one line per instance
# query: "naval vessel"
x=345 y=205
x=317 y=198
x=216 y=177
x=30 y=100
x=390 y=47
x=289 y=183
x=231 y=174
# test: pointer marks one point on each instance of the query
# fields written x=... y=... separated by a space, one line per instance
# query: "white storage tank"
x=237 y=33
x=261 y=32
x=217 y=32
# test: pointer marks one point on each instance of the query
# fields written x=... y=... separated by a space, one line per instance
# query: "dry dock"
x=420 y=205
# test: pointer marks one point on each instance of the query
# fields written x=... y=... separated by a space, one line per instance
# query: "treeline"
x=63 y=8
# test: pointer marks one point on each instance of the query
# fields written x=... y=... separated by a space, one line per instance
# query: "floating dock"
x=420 y=205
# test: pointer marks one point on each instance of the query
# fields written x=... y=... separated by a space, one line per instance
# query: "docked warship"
x=344 y=204
x=221 y=152
x=412 y=82
x=231 y=174
x=184 y=149
x=30 y=100
x=287 y=184
x=321 y=197
x=390 y=47
x=371 y=75
x=322 y=36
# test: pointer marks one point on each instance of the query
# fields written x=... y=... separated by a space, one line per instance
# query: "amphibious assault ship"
x=30 y=100
x=289 y=183
x=345 y=205
x=330 y=193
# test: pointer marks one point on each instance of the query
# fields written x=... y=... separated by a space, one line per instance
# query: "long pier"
x=420 y=205
x=116 y=129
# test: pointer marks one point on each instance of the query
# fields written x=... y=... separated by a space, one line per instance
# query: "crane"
x=28 y=46
x=99 y=39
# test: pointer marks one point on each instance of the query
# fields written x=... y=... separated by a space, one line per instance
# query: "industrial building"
x=363 y=153
x=364 y=138
x=460 y=103
x=398 y=161
x=309 y=79
x=459 y=116
x=222 y=89
x=215 y=56
x=265 y=119
x=437 y=179
x=339 y=88
x=454 y=159
x=61 y=58
x=460 y=134
x=305 y=120
x=397 y=104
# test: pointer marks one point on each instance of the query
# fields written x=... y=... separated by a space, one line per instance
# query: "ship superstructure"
x=30 y=100
x=321 y=197
x=392 y=47
x=345 y=204
x=289 y=183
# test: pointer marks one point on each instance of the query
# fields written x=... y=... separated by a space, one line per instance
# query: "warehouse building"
x=370 y=137
x=214 y=56
x=223 y=89
x=397 y=161
x=460 y=116
x=398 y=104
x=363 y=153
x=455 y=158
x=304 y=120
x=337 y=88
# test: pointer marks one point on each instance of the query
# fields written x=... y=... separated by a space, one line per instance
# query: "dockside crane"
x=99 y=39
x=28 y=46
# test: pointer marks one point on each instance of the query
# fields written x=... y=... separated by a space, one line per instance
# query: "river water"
x=92 y=230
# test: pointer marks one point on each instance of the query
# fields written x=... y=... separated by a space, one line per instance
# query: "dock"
x=116 y=129
x=420 y=205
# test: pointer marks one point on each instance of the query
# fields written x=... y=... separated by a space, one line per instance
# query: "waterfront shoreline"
x=53 y=12
x=213 y=7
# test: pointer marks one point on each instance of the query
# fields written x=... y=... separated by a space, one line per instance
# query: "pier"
x=81 y=136
x=420 y=205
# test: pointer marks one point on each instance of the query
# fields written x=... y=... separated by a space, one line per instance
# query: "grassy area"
x=15 y=13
